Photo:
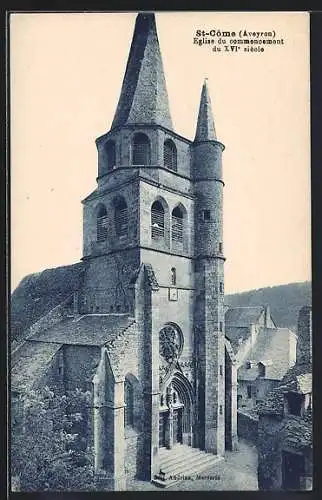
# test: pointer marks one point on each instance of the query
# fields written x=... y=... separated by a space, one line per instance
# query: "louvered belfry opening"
x=157 y=220
x=110 y=155
x=170 y=155
x=177 y=222
x=101 y=224
x=141 y=154
x=121 y=218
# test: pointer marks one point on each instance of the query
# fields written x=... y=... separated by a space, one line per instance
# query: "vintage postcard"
x=161 y=319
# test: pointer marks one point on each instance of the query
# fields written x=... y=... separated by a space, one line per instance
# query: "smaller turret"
x=205 y=126
x=209 y=278
x=207 y=172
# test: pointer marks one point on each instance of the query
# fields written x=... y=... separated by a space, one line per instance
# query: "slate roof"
x=90 y=329
x=29 y=363
x=39 y=293
x=237 y=335
x=243 y=316
x=272 y=349
x=297 y=432
x=297 y=379
x=144 y=97
x=205 y=125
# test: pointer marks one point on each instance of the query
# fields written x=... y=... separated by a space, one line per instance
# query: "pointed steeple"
x=144 y=97
x=205 y=126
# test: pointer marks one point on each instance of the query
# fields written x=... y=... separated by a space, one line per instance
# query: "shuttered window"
x=170 y=155
x=157 y=220
x=177 y=228
x=121 y=218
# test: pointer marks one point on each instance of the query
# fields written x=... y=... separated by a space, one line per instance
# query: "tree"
x=50 y=447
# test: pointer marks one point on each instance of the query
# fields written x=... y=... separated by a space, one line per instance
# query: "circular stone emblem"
x=171 y=342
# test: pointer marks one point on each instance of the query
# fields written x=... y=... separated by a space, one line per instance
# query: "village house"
x=264 y=352
x=285 y=445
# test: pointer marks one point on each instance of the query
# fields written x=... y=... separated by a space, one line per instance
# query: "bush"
x=49 y=450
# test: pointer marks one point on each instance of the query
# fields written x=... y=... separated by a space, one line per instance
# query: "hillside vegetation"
x=285 y=301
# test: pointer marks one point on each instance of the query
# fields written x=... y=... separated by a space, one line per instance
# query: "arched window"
x=177 y=228
x=129 y=403
x=121 y=218
x=173 y=276
x=170 y=155
x=110 y=155
x=101 y=224
x=141 y=150
x=157 y=220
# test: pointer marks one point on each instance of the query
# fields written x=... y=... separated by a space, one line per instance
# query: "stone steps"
x=169 y=458
x=182 y=463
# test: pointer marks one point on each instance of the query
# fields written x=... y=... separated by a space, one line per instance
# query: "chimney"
x=267 y=315
x=304 y=333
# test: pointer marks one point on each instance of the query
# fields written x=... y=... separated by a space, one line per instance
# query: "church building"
x=145 y=331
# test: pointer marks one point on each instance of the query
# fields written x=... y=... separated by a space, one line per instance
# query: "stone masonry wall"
x=80 y=363
x=247 y=427
x=106 y=283
x=128 y=192
x=123 y=141
x=304 y=332
x=148 y=194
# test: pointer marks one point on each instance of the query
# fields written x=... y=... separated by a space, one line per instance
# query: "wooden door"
x=177 y=426
x=293 y=469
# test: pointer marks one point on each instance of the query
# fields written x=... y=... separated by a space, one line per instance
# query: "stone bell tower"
x=116 y=217
x=153 y=253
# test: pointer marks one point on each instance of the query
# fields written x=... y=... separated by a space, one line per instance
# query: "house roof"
x=271 y=348
x=237 y=335
x=90 y=329
x=297 y=379
x=243 y=316
x=29 y=363
x=31 y=359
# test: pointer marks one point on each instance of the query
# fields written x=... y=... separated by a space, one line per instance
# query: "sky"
x=66 y=72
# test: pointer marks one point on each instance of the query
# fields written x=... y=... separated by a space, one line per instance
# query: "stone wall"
x=157 y=135
x=275 y=436
x=247 y=427
x=133 y=453
x=304 y=332
x=260 y=387
x=179 y=312
x=149 y=194
x=54 y=376
x=106 y=283
x=80 y=363
x=129 y=192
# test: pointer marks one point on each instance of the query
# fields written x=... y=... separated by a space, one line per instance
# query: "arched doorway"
x=175 y=417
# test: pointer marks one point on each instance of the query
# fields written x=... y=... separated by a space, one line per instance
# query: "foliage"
x=50 y=442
